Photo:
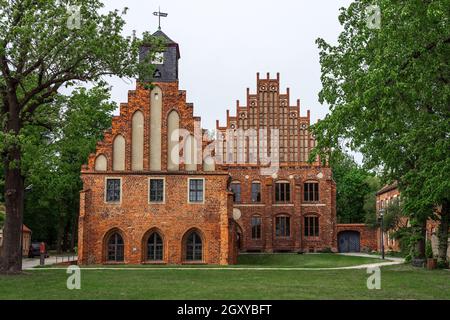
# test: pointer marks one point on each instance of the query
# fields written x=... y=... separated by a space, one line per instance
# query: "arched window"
x=137 y=141
x=119 y=153
x=155 y=247
x=173 y=152
x=115 y=248
x=190 y=153
x=156 y=102
x=101 y=163
x=194 y=247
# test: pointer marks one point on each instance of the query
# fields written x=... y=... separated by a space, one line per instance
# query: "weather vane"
x=160 y=14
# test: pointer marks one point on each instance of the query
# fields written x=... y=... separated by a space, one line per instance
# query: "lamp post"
x=381 y=215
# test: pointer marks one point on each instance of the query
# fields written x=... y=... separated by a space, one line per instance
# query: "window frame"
x=194 y=250
x=289 y=193
x=256 y=216
x=189 y=191
x=105 y=196
x=313 y=192
x=286 y=218
x=147 y=253
x=107 y=258
x=236 y=183
x=315 y=227
x=164 y=190
x=260 y=191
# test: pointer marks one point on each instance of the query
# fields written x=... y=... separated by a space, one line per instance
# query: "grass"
x=324 y=260
x=397 y=282
x=279 y=260
x=393 y=254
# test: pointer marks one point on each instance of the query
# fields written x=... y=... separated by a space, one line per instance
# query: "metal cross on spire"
x=160 y=14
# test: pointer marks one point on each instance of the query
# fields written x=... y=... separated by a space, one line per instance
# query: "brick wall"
x=134 y=217
x=368 y=236
x=296 y=209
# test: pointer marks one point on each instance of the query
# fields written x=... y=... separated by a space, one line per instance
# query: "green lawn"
x=397 y=282
x=325 y=260
x=279 y=260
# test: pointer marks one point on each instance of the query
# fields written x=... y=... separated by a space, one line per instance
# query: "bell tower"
x=166 y=63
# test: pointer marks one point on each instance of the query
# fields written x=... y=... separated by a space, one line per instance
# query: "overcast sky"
x=225 y=43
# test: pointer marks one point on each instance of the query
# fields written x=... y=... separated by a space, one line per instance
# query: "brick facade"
x=368 y=237
x=384 y=197
x=126 y=227
x=269 y=108
x=134 y=218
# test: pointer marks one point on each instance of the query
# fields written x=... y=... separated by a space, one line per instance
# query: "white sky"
x=224 y=44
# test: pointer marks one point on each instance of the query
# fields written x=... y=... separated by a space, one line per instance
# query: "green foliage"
x=53 y=160
x=355 y=187
x=44 y=49
x=36 y=38
x=389 y=98
x=44 y=53
x=393 y=216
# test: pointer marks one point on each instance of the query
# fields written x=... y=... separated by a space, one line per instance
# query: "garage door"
x=349 y=241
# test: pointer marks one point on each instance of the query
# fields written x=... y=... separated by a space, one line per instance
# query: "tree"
x=352 y=188
x=40 y=52
x=370 y=200
x=53 y=158
x=388 y=91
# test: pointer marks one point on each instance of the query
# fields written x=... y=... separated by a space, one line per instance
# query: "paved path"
x=362 y=266
x=365 y=255
x=28 y=263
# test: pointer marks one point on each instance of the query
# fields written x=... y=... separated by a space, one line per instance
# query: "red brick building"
x=141 y=202
x=160 y=190
x=281 y=202
x=385 y=197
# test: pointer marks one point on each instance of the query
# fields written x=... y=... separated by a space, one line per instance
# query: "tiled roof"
x=388 y=188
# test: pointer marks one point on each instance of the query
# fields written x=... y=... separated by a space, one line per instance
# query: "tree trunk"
x=419 y=233
x=443 y=233
x=14 y=195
